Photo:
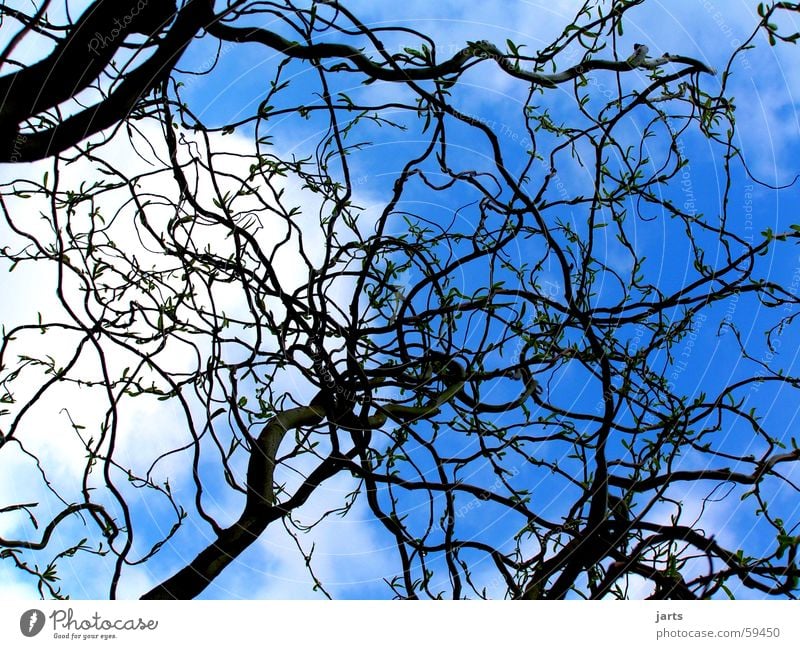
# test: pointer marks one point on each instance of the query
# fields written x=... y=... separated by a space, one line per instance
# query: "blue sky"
x=354 y=554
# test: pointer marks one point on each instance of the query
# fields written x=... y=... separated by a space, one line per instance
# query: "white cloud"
x=147 y=427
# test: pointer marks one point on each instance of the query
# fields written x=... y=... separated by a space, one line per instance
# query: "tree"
x=354 y=269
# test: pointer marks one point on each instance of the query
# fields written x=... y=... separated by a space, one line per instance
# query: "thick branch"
x=453 y=66
x=29 y=147
x=78 y=59
x=259 y=511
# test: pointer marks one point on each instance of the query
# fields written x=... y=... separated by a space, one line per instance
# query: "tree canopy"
x=524 y=309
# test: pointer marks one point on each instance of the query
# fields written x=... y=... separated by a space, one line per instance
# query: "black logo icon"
x=31 y=622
